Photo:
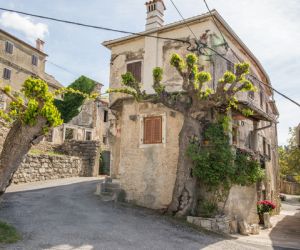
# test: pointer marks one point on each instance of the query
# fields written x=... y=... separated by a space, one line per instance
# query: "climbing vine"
x=217 y=165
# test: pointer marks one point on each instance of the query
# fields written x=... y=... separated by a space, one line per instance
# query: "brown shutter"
x=157 y=130
x=153 y=130
x=136 y=70
x=147 y=130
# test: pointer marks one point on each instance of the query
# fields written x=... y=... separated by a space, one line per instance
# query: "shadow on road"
x=72 y=217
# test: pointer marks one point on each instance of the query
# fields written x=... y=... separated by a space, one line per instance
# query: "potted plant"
x=264 y=206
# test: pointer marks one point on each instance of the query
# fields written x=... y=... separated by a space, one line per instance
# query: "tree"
x=289 y=157
x=70 y=104
x=31 y=116
x=196 y=102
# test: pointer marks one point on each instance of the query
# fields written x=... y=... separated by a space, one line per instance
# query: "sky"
x=270 y=28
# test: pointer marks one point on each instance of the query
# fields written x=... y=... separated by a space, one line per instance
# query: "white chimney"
x=40 y=44
x=155 y=14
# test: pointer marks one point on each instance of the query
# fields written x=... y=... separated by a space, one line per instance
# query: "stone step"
x=110 y=185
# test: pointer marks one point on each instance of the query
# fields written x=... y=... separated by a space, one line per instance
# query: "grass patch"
x=40 y=152
x=8 y=234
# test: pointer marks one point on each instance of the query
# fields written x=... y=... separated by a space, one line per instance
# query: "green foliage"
x=289 y=157
x=191 y=60
x=217 y=165
x=177 y=62
x=208 y=209
x=157 y=77
x=242 y=69
x=229 y=77
x=8 y=234
x=203 y=77
x=73 y=98
x=7 y=89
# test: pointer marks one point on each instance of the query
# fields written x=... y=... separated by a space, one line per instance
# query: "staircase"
x=110 y=190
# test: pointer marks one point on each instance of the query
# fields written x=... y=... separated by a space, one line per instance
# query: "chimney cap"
x=155 y=1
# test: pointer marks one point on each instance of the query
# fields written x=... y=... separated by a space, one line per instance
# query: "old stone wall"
x=88 y=151
x=46 y=167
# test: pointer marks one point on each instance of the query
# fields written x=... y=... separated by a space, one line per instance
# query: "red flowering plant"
x=265 y=206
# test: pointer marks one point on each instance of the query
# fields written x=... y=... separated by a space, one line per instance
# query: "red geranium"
x=265 y=206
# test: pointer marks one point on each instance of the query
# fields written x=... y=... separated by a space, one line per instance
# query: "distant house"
x=144 y=156
x=19 y=60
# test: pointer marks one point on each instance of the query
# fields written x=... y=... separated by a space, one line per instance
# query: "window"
x=135 y=69
x=267 y=108
x=230 y=66
x=88 y=136
x=104 y=140
x=153 y=130
x=261 y=97
x=69 y=134
x=105 y=119
x=269 y=151
x=6 y=74
x=234 y=135
x=9 y=47
x=264 y=146
x=34 y=60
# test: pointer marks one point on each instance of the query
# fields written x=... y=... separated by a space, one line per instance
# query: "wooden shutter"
x=136 y=70
x=153 y=130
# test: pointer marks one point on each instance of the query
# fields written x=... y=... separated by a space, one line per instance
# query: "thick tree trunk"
x=184 y=199
x=17 y=144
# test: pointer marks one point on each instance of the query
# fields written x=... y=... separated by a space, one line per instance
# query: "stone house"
x=298 y=135
x=144 y=161
x=19 y=60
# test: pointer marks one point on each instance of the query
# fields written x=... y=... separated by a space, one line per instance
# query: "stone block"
x=206 y=223
x=254 y=229
x=267 y=220
x=243 y=227
x=233 y=226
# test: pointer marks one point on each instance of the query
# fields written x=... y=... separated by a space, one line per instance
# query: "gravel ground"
x=70 y=216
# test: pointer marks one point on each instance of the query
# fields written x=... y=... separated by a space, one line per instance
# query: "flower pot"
x=261 y=219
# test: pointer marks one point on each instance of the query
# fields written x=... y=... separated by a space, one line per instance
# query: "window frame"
x=32 y=61
x=163 y=115
x=142 y=66
x=152 y=141
x=4 y=75
x=9 y=45
x=105 y=116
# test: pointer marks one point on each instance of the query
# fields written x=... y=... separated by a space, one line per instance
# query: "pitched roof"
x=21 y=41
x=111 y=43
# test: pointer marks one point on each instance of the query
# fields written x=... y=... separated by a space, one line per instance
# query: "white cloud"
x=31 y=30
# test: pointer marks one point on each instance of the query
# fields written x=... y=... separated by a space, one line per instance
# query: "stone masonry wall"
x=47 y=167
x=88 y=151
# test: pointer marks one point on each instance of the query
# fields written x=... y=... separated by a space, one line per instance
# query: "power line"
x=183 y=19
x=226 y=59
x=94 y=26
x=214 y=20
x=147 y=35
x=63 y=68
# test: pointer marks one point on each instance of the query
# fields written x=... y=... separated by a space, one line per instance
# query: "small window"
x=269 y=151
x=136 y=70
x=9 y=47
x=88 y=136
x=6 y=74
x=34 y=60
x=230 y=66
x=105 y=118
x=104 y=140
x=69 y=134
x=234 y=135
x=261 y=97
x=264 y=146
x=267 y=108
x=153 y=130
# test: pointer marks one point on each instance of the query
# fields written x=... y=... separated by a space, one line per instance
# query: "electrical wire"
x=147 y=35
x=227 y=60
x=214 y=20
x=62 y=68
x=183 y=19
x=93 y=26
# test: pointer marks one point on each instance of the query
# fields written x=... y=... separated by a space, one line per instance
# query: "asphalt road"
x=70 y=216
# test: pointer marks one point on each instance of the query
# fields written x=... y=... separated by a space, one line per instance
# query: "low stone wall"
x=88 y=151
x=47 y=167
x=219 y=224
x=292 y=188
